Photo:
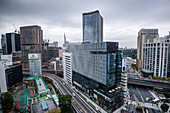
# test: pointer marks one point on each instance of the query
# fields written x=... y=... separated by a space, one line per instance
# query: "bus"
x=155 y=100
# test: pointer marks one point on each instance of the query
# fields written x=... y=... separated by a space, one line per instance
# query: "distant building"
x=10 y=42
x=67 y=66
x=92 y=27
x=10 y=75
x=97 y=69
x=35 y=64
x=56 y=64
x=3 y=44
x=7 y=59
x=156 y=60
x=31 y=42
x=53 y=52
x=143 y=36
x=71 y=46
x=45 y=51
x=65 y=45
x=54 y=44
x=61 y=51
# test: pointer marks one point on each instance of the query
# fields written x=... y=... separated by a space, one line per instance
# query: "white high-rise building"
x=3 y=85
x=35 y=67
x=67 y=66
x=156 y=57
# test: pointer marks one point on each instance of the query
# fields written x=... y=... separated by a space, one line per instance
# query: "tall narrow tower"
x=31 y=42
x=92 y=27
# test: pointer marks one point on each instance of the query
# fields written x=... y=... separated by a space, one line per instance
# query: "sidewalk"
x=149 y=105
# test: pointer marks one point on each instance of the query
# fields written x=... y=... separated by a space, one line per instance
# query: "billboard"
x=7 y=59
x=33 y=56
x=124 y=64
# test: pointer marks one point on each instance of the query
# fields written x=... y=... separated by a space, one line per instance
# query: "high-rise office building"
x=156 y=57
x=67 y=66
x=31 y=42
x=97 y=69
x=143 y=36
x=10 y=42
x=35 y=64
x=92 y=27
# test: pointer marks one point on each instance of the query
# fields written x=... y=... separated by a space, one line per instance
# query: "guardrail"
x=149 y=83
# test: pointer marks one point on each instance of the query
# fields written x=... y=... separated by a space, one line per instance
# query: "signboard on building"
x=7 y=59
x=124 y=64
x=33 y=56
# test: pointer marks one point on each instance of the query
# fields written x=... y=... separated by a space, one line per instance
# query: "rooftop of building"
x=37 y=107
x=148 y=31
x=31 y=26
x=41 y=86
x=88 y=13
x=100 y=46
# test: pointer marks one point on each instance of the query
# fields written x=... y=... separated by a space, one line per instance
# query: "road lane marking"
x=140 y=94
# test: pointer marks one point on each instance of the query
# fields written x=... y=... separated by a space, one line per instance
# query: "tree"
x=117 y=85
x=65 y=103
x=163 y=78
x=55 y=110
x=164 y=107
x=7 y=101
x=168 y=78
x=60 y=75
x=149 y=77
x=154 y=77
x=159 y=78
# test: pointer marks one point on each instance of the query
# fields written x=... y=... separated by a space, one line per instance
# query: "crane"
x=15 y=29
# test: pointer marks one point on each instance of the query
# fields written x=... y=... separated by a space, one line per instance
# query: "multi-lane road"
x=140 y=94
x=80 y=105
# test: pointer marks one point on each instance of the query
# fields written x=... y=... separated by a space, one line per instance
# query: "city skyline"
x=122 y=20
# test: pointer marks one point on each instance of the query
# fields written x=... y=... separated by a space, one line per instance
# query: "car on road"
x=63 y=83
x=74 y=94
x=147 y=99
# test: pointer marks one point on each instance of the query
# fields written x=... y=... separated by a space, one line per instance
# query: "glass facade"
x=35 y=64
x=31 y=42
x=97 y=68
x=92 y=27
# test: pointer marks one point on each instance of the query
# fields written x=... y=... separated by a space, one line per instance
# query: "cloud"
x=122 y=19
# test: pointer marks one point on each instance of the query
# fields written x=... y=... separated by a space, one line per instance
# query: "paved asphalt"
x=140 y=94
x=79 y=104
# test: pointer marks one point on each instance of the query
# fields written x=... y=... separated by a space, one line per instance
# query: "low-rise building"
x=10 y=75
x=43 y=106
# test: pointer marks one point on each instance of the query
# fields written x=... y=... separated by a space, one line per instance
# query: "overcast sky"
x=122 y=18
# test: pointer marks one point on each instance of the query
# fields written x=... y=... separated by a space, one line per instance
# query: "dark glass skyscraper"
x=92 y=27
x=10 y=42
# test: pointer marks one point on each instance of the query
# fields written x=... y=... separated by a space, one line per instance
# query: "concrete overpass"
x=150 y=83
